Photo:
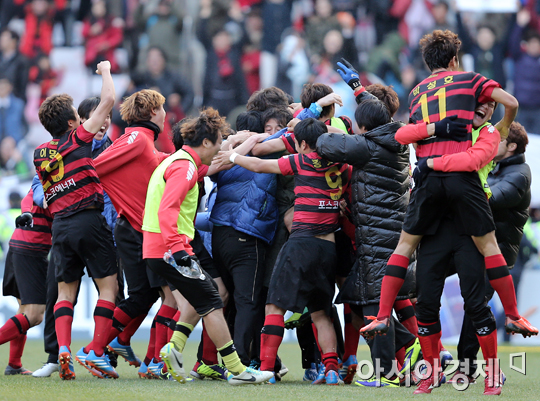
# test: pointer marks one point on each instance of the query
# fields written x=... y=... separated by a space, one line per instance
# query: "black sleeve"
x=508 y=192
x=344 y=148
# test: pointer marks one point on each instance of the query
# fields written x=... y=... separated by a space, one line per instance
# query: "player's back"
x=444 y=94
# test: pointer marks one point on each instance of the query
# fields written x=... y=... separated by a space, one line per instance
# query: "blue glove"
x=420 y=172
x=349 y=74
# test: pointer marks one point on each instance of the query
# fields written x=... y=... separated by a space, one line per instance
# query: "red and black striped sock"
x=501 y=281
x=13 y=328
x=330 y=361
x=396 y=270
x=209 y=350
x=120 y=321
x=103 y=315
x=16 y=348
x=163 y=321
x=406 y=316
x=352 y=336
x=487 y=337
x=124 y=337
x=271 y=337
x=429 y=335
x=151 y=344
x=63 y=319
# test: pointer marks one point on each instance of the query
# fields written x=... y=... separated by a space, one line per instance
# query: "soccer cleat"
x=250 y=376
x=321 y=377
x=311 y=373
x=101 y=364
x=383 y=382
x=446 y=358
x=157 y=370
x=297 y=320
x=125 y=351
x=143 y=371
x=332 y=378
x=214 y=372
x=492 y=387
x=194 y=373
x=348 y=369
x=424 y=387
x=412 y=356
x=375 y=327
x=174 y=362
x=66 y=364
x=80 y=357
x=46 y=370
x=520 y=326
x=16 y=371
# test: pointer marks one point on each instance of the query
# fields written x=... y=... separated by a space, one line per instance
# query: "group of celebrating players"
x=156 y=246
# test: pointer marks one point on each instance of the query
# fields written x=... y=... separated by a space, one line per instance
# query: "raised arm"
x=94 y=123
x=511 y=106
x=251 y=163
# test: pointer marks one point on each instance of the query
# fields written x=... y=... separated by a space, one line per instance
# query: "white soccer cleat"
x=250 y=376
x=174 y=361
x=46 y=370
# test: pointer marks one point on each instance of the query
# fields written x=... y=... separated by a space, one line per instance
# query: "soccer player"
x=125 y=169
x=305 y=269
x=81 y=238
x=24 y=275
x=437 y=249
x=448 y=92
x=170 y=209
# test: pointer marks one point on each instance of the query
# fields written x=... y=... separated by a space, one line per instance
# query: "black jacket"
x=380 y=195
x=510 y=183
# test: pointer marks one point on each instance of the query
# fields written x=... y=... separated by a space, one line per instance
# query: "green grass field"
x=129 y=387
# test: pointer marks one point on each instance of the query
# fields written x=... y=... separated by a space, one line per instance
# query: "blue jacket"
x=246 y=201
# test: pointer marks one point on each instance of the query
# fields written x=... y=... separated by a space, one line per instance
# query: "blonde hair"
x=139 y=106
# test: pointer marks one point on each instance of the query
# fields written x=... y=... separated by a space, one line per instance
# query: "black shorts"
x=459 y=194
x=345 y=254
x=83 y=239
x=304 y=275
x=203 y=255
x=25 y=277
x=9 y=284
x=203 y=295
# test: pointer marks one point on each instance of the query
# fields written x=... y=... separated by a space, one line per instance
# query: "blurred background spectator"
x=13 y=65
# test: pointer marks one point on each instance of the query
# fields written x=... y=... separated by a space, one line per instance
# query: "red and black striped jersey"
x=318 y=187
x=443 y=94
x=66 y=171
x=288 y=137
x=36 y=238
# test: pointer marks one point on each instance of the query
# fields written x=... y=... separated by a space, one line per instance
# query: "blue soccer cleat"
x=67 y=372
x=125 y=351
x=348 y=369
x=446 y=358
x=311 y=373
x=101 y=364
x=321 y=377
x=80 y=357
x=332 y=378
x=143 y=371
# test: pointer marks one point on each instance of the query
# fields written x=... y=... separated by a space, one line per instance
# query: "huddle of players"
x=166 y=190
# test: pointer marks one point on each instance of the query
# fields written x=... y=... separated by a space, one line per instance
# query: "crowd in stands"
x=218 y=52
